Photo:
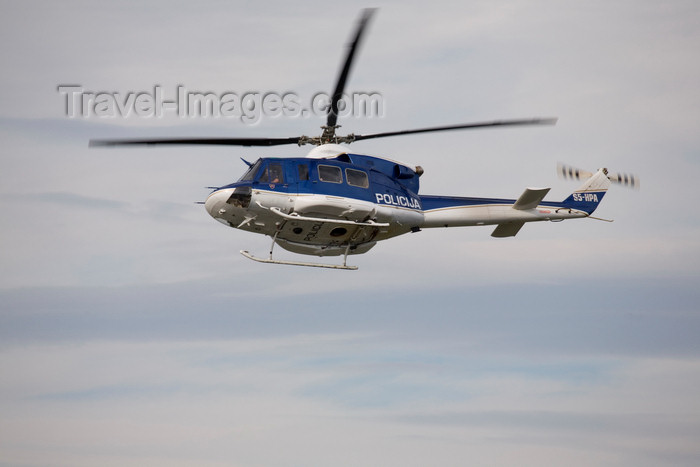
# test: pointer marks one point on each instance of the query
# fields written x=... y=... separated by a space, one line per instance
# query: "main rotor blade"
x=465 y=126
x=345 y=71
x=198 y=141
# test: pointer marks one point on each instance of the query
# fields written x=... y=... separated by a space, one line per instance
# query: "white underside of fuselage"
x=322 y=226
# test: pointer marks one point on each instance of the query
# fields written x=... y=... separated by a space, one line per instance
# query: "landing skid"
x=298 y=263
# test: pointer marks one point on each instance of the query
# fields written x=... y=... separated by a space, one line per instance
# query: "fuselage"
x=331 y=204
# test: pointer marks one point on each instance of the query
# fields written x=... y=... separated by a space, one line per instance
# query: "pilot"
x=275 y=174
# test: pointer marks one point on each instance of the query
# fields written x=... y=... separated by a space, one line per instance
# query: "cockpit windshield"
x=250 y=174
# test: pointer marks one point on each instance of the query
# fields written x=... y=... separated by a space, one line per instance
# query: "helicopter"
x=335 y=202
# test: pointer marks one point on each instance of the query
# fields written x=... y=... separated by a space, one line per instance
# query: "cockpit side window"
x=329 y=173
x=273 y=173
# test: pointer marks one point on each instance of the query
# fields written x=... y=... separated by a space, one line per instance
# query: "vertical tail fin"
x=590 y=194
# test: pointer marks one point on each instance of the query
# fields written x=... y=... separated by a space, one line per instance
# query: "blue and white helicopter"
x=334 y=202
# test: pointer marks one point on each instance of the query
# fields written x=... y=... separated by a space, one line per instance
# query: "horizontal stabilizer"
x=530 y=198
x=508 y=229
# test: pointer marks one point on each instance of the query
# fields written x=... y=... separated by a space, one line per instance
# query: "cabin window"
x=357 y=178
x=329 y=173
x=272 y=174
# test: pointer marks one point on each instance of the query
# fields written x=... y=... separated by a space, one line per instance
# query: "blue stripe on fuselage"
x=431 y=202
x=584 y=201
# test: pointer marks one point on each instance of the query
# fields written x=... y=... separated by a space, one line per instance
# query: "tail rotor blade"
x=625 y=179
x=568 y=172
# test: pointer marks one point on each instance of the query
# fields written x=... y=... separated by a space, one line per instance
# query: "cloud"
x=223 y=400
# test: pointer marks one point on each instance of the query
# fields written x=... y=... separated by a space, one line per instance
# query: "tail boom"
x=509 y=214
x=463 y=212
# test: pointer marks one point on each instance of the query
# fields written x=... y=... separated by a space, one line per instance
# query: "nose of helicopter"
x=215 y=204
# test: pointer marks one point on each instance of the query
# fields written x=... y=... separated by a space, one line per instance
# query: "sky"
x=132 y=332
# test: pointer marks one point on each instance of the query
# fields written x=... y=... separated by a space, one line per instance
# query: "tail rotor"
x=568 y=172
